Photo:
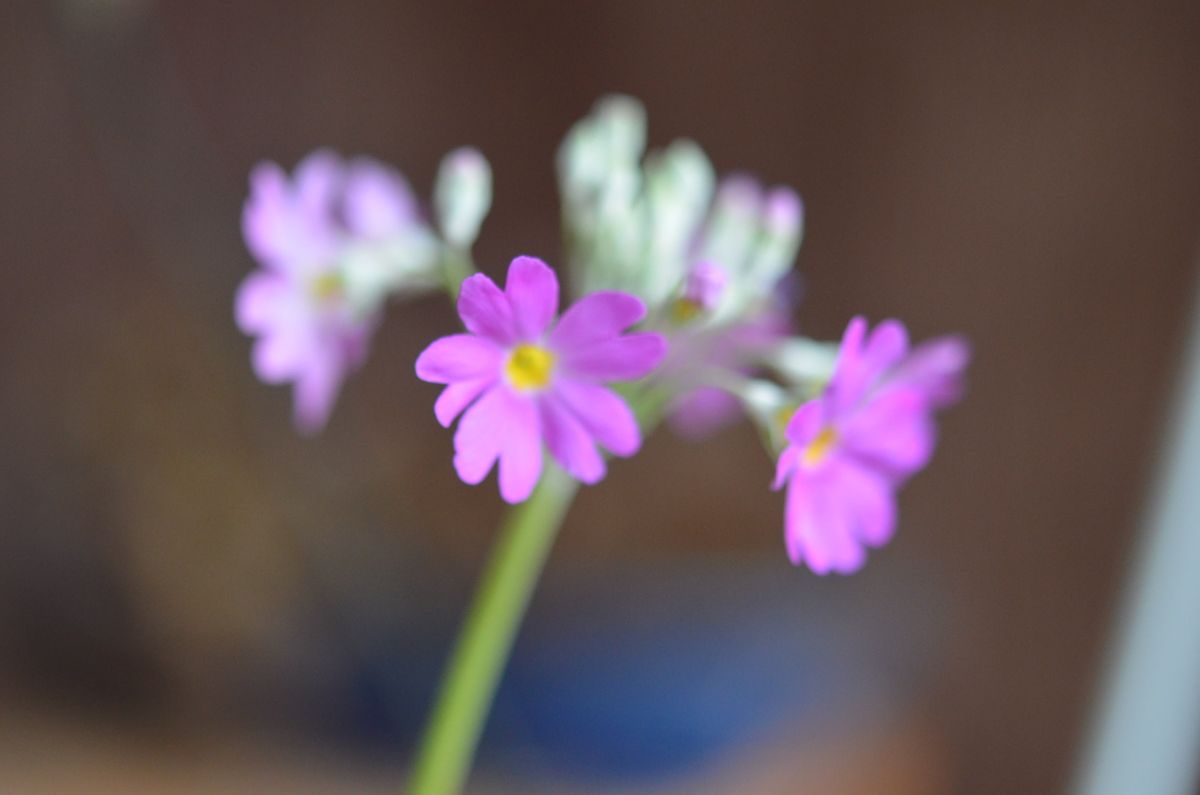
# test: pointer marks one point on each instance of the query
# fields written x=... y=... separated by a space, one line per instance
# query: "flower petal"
x=893 y=432
x=532 y=290
x=521 y=453
x=260 y=298
x=807 y=422
x=604 y=414
x=936 y=369
x=456 y=397
x=846 y=386
x=569 y=442
x=480 y=434
x=500 y=425
x=376 y=199
x=783 y=468
x=282 y=352
x=267 y=217
x=595 y=317
x=316 y=390
x=459 y=357
x=618 y=359
x=871 y=502
x=286 y=227
x=318 y=179
x=885 y=348
x=818 y=522
x=485 y=310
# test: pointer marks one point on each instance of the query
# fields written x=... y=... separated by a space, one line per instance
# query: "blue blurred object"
x=627 y=696
x=670 y=670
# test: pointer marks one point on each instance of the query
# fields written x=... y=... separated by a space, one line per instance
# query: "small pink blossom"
x=296 y=304
x=852 y=447
x=523 y=379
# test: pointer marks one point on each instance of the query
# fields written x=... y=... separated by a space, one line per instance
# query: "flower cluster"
x=684 y=298
x=334 y=242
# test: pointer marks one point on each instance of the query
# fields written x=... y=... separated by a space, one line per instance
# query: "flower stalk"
x=448 y=746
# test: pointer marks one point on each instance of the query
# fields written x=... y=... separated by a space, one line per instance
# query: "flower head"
x=854 y=445
x=333 y=242
x=524 y=379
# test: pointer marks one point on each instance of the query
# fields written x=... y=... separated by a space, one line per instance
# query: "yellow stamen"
x=326 y=286
x=820 y=447
x=529 y=367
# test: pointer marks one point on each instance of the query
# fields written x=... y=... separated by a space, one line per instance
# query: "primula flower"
x=852 y=447
x=524 y=379
x=332 y=242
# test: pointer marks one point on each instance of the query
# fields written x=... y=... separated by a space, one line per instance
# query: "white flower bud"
x=462 y=196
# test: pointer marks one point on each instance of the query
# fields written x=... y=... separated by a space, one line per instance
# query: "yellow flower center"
x=820 y=447
x=529 y=367
x=685 y=310
x=325 y=287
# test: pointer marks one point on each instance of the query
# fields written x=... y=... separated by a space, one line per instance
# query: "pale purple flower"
x=523 y=379
x=852 y=447
x=296 y=304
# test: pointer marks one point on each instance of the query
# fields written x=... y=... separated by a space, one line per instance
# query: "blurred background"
x=194 y=599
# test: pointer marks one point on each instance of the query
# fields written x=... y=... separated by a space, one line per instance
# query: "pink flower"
x=296 y=303
x=852 y=447
x=523 y=379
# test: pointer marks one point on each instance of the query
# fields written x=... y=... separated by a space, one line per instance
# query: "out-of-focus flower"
x=708 y=266
x=524 y=379
x=644 y=227
x=333 y=242
x=854 y=445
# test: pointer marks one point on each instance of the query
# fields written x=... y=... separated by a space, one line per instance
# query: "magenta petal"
x=618 y=359
x=485 y=310
x=521 y=452
x=870 y=498
x=266 y=217
x=603 y=414
x=316 y=391
x=318 y=179
x=885 y=347
x=569 y=442
x=456 y=397
x=784 y=467
x=532 y=290
x=282 y=353
x=500 y=425
x=807 y=422
x=595 y=317
x=259 y=299
x=479 y=436
x=376 y=199
x=828 y=531
x=458 y=357
x=848 y=382
x=935 y=368
x=795 y=518
x=894 y=431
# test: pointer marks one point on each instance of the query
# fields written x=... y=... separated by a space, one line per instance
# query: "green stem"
x=452 y=734
x=456 y=266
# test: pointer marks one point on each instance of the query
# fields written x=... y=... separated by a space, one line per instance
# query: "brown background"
x=1028 y=174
